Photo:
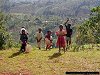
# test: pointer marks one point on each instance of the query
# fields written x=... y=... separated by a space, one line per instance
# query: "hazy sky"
x=22 y=0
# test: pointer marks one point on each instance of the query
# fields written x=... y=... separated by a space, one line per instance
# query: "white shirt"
x=39 y=35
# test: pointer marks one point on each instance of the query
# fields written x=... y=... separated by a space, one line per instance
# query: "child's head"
x=23 y=27
x=49 y=32
x=23 y=31
x=39 y=30
x=61 y=27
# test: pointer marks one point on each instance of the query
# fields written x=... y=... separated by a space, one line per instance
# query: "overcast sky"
x=23 y=0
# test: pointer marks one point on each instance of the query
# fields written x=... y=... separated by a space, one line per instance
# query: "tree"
x=89 y=31
x=5 y=39
x=2 y=31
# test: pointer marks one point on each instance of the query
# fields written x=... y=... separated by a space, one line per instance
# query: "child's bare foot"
x=39 y=48
x=66 y=49
x=59 y=51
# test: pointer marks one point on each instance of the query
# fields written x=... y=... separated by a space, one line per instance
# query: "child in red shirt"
x=48 y=40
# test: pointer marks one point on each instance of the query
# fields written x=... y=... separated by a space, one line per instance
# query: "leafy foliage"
x=14 y=23
x=89 y=31
x=5 y=38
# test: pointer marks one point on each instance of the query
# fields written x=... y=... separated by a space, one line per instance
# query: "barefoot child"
x=69 y=32
x=48 y=40
x=39 y=36
x=61 y=39
x=23 y=38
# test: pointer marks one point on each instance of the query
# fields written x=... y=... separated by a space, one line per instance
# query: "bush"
x=89 y=31
x=5 y=38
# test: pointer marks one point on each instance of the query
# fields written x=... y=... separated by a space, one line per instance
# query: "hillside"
x=41 y=62
x=63 y=8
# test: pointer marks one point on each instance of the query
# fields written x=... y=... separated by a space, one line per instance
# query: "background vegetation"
x=48 y=14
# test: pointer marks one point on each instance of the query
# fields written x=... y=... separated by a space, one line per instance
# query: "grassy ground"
x=40 y=62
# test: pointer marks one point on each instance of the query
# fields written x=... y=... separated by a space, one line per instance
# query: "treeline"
x=14 y=23
x=62 y=8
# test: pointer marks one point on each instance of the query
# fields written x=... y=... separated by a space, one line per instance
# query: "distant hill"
x=79 y=8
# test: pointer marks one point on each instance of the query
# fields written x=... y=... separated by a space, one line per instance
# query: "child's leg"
x=64 y=49
x=67 y=42
x=70 y=41
x=59 y=49
x=21 y=48
x=24 y=46
x=46 y=47
x=59 y=46
x=39 y=45
x=49 y=46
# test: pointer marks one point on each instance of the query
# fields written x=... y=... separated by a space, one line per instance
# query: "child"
x=69 y=32
x=61 y=40
x=48 y=40
x=23 y=38
x=68 y=35
x=39 y=36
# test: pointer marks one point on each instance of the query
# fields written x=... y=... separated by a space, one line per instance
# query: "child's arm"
x=37 y=39
x=21 y=38
x=71 y=32
x=40 y=39
x=51 y=39
x=57 y=33
x=66 y=21
x=64 y=33
x=26 y=38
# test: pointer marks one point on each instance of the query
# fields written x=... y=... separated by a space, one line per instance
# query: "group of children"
x=63 y=38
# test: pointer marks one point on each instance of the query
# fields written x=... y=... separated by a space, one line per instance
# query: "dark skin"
x=66 y=21
x=68 y=41
x=25 y=42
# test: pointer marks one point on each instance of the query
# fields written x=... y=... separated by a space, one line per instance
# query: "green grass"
x=40 y=62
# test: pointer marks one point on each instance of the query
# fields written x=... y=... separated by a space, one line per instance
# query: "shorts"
x=68 y=38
